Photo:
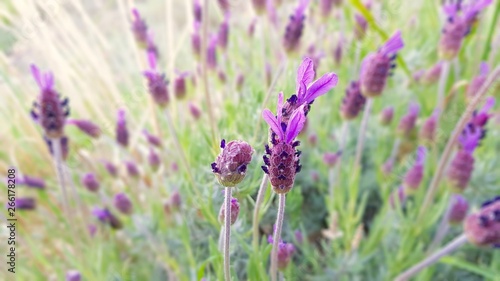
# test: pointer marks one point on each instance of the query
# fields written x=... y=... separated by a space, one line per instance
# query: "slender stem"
x=58 y=162
x=258 y=203
x=227 y=233
x=456 y=68
x=453 y=245
x=436 y=179
x=443 y=78
x=331 y=184
x=362 y=132
x=277 y=236
x=443 y=228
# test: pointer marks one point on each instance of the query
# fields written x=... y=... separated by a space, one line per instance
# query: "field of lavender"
x=250 y=140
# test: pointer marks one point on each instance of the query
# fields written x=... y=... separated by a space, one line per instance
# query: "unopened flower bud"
x=73 y=275
x=90 y=182
x=122 y=135
x=235 y=211
x=122 y=203
x=353 y=101
x=457 y=210
x=231 y=165
x=86 y=126
x=386 y=115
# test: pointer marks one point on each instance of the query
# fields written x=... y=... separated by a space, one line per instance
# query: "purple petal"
x=394 y=44
x=279 y=107
x=489 y=104
x=273 y=122
x=484 y=68
x=305 y=73
x=36 y=74
x=321 y=86
x=421 y=153
x=136 y=14
x=295 y=125
x=152 y=60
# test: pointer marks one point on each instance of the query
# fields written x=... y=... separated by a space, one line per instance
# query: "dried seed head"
x=50 y=111
x=157 y=84
x=122 y=203
x=122 y=135
x=90 y=182
x=293 y=31
x=86 y=126
x=377 y=67
x=231 y=165
x=457 y=209
x=386 y=115
x=235 y=211
x=483 y=227
x=353 y=102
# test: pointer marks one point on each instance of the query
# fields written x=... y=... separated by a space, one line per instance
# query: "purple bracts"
x=90 y=182
x=415 y=174
x=122 y=203
x=231 y=165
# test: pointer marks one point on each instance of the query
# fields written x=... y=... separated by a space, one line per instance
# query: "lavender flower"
x=197 y=11
x=86 y=126
x=386 y=115
x=212 y=52
x=73 y=275
x=462 y=165
x=360 y=26
x=106 y=217
x=477 y=82
x=285 y=253
x=31 y=182
x=259 y=6
x=330 y=159
x=240 y=80
x=282 y=160
x=337 y=52
x=157 y=84
x=122 y=203
x=353 y=102
x=151 y=46
x=251 y=28
x=407 y=122
x=50 y=111
x=194 y=110
x=293 y=32
x=25 y=203
x=432 y=75
x=414 y=175
x=235 y=211
x=223 y=35
x=457 y=211
x=231 y=165
x=222 y=76
x=122 y=135
x=376 y=67
x=90 y=182
x=428 y=129
x=298 y=236
x=110 y=168
x=480 y=118
x=139 y=28
x=313 y=139
x=180 y=86
x=196 y=40
x=152 y=139
x=224 y=5
x=154 y=159
x=483 y=227
x=132 y=169
x=325 y=6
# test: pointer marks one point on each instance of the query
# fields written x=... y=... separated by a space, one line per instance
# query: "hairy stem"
x=362 y=132
x=58 y=162
x=258 y=203
x=227 y=233
x=436 y=179
x=453 y=245
x=277 y=236
x=443 y=228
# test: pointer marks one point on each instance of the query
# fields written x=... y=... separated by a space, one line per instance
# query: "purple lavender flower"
x=73 y=275
x=251 y=28
x=50 y=111
x=240 y=80
x=222 y=76
x=360 y=26
x=285 y=253
x=483 y=227
x=325 y=6
x=231 y=164
x=157 y=84
x=86 y=126
x=110 y=168
x=293 y=32
x=196 y=40
x=152 y=139
x=298 y=236
x=122 y=203
x=458 y=25
x=132 y=169
x=415 y=174
x=388 y=166
x=175 y=200
x=337 y=52
x=353 y=102
x=428 y=129
x=223 y=35
x=399 y=195
x=330 y=159
x=154 y=159
x=386 y=115
x=212 y=52
x=462 y=165
x=235 y=211
x=24 y=203
x=432 y=74
x=139 y=28
x=480 y=118
x=224 y=5
x=282 y=160
x=377 y=67
x=194 y=110
x=151 y=46
x=122 y=135
x=259 y=6
x=407 y=122
x=180 y=86
x=457 y=210
x=313 y=139
x=90 y=182
x=32 y=182
x=197 y=11
x=477 y=82
x=106 y=217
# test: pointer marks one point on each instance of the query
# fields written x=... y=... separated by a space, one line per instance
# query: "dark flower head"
x=139 y=28
x=50 y=111
x=32 y=182
x=376 y=67
x=482 y=228
x=235 y=211
x=294 y=28
x=122 y=203
x=457 y=209
x=157 y=84
x=86 y=126
x=337 y=52
x=231 y=165
x=414 y=176
x=122 y=134
x=180 y=85
x=25 y=203
x=106 y=217
x=462 y=165
x=197 y=11
x=353 y=102
x=90 y=182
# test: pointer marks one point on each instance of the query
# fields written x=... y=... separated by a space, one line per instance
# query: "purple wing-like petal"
x=421 y=153
x=484 y=68
x=321 y=86
x=279 y=107
x=36 y=74
x=489 y=104
x=305 y=73
x=301 y=92
x=273 y=122
x=152 y=60
x=295 y=125
x=394 y=44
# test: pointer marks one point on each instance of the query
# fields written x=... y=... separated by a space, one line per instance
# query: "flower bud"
x=122 y=203
x=132 y=169
x=152 y=139
x=330 y=159
x=194 y=110
x=106 y=217
x=414 y=176
x=86 y=127
x=122 y=135
x=25 y=203
x=154 y=159
x=386 y=115
x=353 y=102
x=235 y=211
x=32 y=182
x=180 y=86
x=457 y=210
x=428 y=129
x=73 y=275
x=285 y=253
x=360 y=26
x=231 y=165
x=407 y=122
x=90 y=182
x=294 y=28
x=110 y=168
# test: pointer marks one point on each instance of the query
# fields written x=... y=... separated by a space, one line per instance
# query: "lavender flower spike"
x=462 y=165
x=32 y=182
x=377 y=67
x=86 y=126
x=223 y=35
x=49 y=110
x=123 y=203
x=259 y=6
x=196 y=40
x=414 y=176
x=157 y=84
x=73 y=275
x=353 y=102
x=212 y=52
x=407 y=122
x=139 y=28
x=428 y=129
x=197 y=11
x=483 y=227
x=293 y=31
x=477 y=82
x=282 y=160
x=105 y=216
x=457 y=210
x=122 y=134
x=152 y=139
x=90 y=181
